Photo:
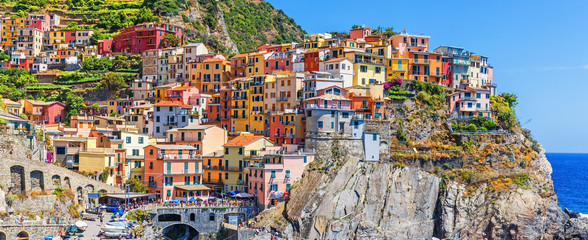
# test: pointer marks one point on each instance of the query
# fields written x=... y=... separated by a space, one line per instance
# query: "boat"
x=112 y=228
x=81 y=225
x=114 y=234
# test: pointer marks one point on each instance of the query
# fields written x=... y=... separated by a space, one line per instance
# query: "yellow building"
x=256 y=63
x=209 y=75
x=134 y=143
x=96 y=160
x=368 y=68
x=247 y=104
x=9 y=30
x=397 y=68
x=316 y=41
x=236 y=151
x=161 y=91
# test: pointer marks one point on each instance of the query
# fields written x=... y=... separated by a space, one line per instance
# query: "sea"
x=570 y=180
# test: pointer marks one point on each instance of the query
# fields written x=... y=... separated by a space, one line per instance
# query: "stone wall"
x=33 y=232
x=199 y=218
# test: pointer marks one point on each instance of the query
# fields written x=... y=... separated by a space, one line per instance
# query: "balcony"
x=282 y=99
x=243 y=106
x=240 y=97
x=239 y=65
x=467 y=99
x=424 y=62
x=290 y=123
x=179 y=157
x=256 y=83
x=331 y=107
x=225 y=98
x=193 y=113
x=212 y=167
x=170 y=123
x=417 y=45
x=152 y=184
x=210 y=120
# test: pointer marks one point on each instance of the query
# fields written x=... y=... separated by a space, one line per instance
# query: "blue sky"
x=537 y=48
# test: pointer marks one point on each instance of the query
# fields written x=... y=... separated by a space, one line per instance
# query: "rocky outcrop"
x=455 y=186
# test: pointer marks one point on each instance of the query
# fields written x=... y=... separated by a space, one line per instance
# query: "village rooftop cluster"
x=204 y=124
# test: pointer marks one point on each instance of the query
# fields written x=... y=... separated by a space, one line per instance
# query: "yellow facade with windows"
x=9 y=30
x=236 y=152
x=397 y=68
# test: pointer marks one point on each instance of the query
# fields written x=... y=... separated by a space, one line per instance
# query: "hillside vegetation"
x=247 y=23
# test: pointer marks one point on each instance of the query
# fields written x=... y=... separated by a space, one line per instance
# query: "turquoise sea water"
x=570 y=180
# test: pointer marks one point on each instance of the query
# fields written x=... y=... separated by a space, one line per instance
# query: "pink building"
x=467 y=103
x=39 y=21
x=47 y=112
x=278 y=62
x=360 y=33
x=270 y=179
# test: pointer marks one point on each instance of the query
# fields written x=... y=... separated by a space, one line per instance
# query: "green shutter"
x=186 y=167
x=168 y=167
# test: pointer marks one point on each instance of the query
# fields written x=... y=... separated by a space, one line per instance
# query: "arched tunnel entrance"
x=180 y=231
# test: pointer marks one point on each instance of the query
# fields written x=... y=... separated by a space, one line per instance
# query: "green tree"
x=136 y=185
x=171 y=40
x=85 y=19
x=4 y=56
x=73 y=103
x=113 y=81
x=97 y=64
x=72 y=26
x=144 y=15
x=98 y=35
x=511 y=99
x=355 y=27
x=507 y=117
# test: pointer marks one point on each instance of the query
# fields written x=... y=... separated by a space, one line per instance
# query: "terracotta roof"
x=171 y=104
x=36 y=102
x=242 y=141
x=213 y=60
x=338 y=59
x=241 y=55
x=181 y=87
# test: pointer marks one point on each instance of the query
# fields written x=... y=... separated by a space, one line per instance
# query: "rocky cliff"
x=437 y=184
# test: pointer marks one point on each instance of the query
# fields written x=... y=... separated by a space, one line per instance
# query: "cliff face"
x=451 y=186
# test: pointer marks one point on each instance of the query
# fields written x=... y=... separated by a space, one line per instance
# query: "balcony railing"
x=152 y=184
x=321 y=106
x=244 y=106
x=170 y=123
x=208 y=120
x=179 y=157
x=282 y=99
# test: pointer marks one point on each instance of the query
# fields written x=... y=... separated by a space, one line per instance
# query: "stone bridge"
x=31 y=232
x=29 y=175
x=204 y=220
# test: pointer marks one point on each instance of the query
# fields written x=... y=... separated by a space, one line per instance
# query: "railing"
x=290 y=123
x=239 y=107
x=207 y=120
x=169 y=123
x=282 y=99
x=152 y=184
x=320 y=106
x=179 y=157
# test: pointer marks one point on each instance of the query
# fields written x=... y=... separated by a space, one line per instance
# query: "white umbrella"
x=81 y=225
x=244 y=195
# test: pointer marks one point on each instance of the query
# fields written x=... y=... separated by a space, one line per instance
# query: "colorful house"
x=145 y=36
x=271 y=178
x=43 y=112
x=469 y=102
x=174 y=172
x=207 y=139
x=167 y=115
x=238 y=154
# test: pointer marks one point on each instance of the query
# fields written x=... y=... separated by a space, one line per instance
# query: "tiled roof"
x=213 y=60
x=242 y=141
x=171 y=146
x=171 y=104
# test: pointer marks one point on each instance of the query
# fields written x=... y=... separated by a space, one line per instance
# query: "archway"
x=169 y=217
x=37 y=183
x=2 y=236
x=192 y=217
x=17 y=179
x=22 y=236
x=66 y=183
x=89 y=188
x=180 y=231
x=80 y=192
x=56 y=180
x=102 y=191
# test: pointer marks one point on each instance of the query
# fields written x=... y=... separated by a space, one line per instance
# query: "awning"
x=193 y=187
x=125 y=195
x=244 y=195
x=276 y=195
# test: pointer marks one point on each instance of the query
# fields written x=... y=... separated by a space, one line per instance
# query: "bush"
x=521 y=179
x=489 y=124
x=482 y=129
x=507 y=117
x=472 y=128
x=400 y=135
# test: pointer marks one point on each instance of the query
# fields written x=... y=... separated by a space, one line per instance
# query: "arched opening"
x=56 y=180
x=180 y=231
x=89 y=188
x=192 y=217
x=2 y=236
x=67 y=183
x=80 y=192
x=169 y=218
x=211 y=217
x=17 y=179
x=101 y=191
x=37 y=183
x=22 y=236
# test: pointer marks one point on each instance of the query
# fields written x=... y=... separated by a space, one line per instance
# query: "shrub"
x=507 y=117
x=489 y=124
x=520 y=179
x=400 y=135
x=472 y=128
x=466 y=175
x=482 y=129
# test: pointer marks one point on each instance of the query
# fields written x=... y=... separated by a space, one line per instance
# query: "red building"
x=70 y=37
x=218 y=109
x=145 y=36
x=39 y=21
x=446 y=71
x=311 y=61
x=278 y=62
x=105 y=47
x=360 y=33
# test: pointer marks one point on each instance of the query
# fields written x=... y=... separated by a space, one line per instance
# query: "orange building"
x=209 y=75
x=367 y=101
x=174 y=172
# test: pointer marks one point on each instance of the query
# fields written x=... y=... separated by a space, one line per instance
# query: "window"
x=226 y=175
x=186 y=167
x=345 y=115
x=287 y=173
x=273 y=174
x=168 y=168
x=378 y=69
x=128 y=139
x=320 y=125
x=274 y=187
x=140 y=140
x=226 y=151
x=478 y=95
x=240 y=151
x=60 y=150
x=288 y=186
x=378 y=105
x=375 y=137
x=151 y=165
x=363 y=68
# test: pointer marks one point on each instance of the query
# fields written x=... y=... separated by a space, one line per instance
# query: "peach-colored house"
x=406 y=42
x=270 y=180
x=174 y=172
